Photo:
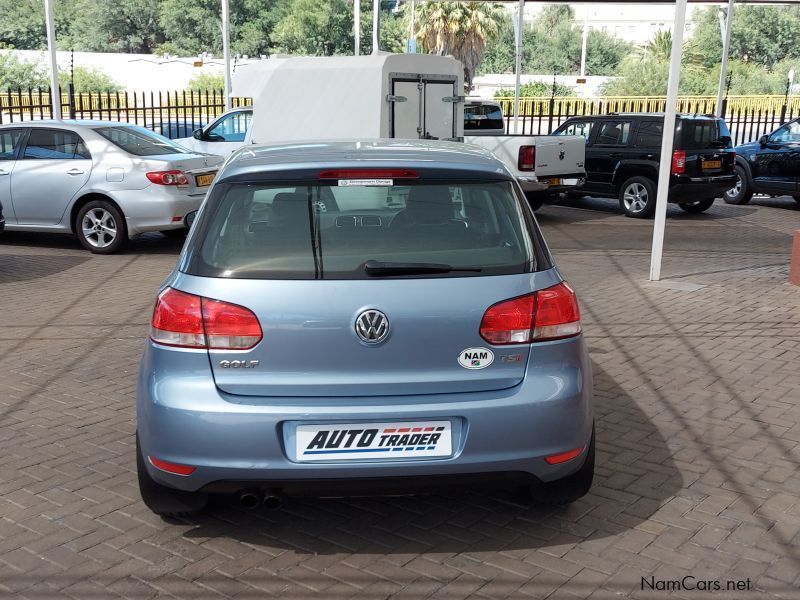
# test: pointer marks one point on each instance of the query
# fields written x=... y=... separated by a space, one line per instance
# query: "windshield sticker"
x=365 y=182
x=476 y=358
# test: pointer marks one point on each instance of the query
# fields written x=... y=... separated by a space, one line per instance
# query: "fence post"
x=71 y=99
x=785 y=103
x=552 y=107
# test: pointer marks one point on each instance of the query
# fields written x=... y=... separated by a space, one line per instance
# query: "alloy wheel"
x=635 y=197
x=99 y=228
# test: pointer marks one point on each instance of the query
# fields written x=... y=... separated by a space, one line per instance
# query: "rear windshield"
x=482 y=116
x=254 y=231
x=705 y=133
x=139 y=141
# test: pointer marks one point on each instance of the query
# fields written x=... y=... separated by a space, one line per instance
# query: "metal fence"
x=748 y=117
x=176 y=114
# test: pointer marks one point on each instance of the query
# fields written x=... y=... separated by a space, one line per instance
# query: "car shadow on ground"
x=25 y=267
x=593 y=208
x=148 y=243
x=623 y=495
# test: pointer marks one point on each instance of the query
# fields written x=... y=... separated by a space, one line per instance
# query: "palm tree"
x=461 y=29
x=659 y=48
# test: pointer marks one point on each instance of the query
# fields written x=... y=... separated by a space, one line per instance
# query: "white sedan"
x=103 y=181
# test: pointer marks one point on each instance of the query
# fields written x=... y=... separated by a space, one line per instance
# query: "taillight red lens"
x=168 y=177
x=548 y=314
x=178 y=320
x=189 y=321
x=509 y=322
x=678 y=162
x=526 y=160
x=230 y=326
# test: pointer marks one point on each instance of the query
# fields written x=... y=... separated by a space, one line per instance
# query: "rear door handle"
x=74 y=172
x=615 y=155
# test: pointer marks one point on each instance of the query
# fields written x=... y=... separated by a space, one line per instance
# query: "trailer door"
x=424 y=106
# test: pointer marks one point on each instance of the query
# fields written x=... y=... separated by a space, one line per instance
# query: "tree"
x=206 y=82
x=111 y=26
x=16 y=73
x=87 y=79
x=762 y=35
x=462 y=29
x=538 y=89
x=317 y=29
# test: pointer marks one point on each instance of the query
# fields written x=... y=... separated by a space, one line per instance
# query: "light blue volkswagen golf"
x=361 y=318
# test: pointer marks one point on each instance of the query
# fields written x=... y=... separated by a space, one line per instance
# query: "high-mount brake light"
x=549 y=314
x=369 y=174
x=189 y=321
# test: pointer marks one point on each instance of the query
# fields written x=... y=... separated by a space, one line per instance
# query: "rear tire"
x=163 y=500
x=101 y=228
x=570 y=488
x=535 y=200
x=697 y=206
x=741 y=192
x=637 y=197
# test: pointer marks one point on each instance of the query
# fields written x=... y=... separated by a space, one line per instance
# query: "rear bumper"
x=551 y=185
x=183 y=418
x=698 y=188
x=156 y=208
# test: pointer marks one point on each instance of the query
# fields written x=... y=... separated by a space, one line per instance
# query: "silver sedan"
x=103 y=181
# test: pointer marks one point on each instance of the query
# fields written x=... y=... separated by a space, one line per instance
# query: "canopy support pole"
x=726 y=49
x=376 y=26
x=667 y=140
x=518 y=60
x=357 y=27
x=55 y=91
x=226 y=51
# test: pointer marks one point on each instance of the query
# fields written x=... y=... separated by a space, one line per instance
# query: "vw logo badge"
x=372 y=326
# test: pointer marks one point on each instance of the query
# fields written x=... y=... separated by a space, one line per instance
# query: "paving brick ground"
x=698 y=439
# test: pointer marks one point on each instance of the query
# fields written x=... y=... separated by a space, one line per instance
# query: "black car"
x=623 y=151
x=769 y=166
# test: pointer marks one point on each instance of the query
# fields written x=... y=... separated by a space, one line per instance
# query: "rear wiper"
x=374 y=268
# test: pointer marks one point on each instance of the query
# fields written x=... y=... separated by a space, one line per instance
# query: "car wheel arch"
x=84 y=200
x=625 y=172
x=742 y=162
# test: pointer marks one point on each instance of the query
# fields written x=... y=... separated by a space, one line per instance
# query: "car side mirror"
x=189 y=219
x=198 y=133
x=763 y=140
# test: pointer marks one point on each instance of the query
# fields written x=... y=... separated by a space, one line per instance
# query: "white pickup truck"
x=406 y=96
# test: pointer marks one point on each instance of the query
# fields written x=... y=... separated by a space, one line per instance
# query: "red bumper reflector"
x=556 y=459
x=177 y=219
x=169 y=467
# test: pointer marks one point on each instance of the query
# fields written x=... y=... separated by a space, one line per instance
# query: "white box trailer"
x=302 y=98
x=405 y=96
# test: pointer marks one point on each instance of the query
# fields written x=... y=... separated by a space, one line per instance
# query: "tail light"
x=526 y=160
x=678 y=162
x=168 y=177
x=549 y=314
x=189 y=321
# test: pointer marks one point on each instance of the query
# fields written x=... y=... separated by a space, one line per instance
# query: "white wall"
x=486 y=85
x=135 y=72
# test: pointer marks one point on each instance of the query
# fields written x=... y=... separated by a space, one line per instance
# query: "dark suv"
x=770 y=165
x=623 y=151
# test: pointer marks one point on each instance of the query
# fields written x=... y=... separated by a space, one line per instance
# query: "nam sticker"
x=476 y=358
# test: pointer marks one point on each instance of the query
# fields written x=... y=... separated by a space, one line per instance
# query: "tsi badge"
x=238 y=364
x=476 y=358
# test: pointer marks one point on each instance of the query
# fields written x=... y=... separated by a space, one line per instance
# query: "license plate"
x=712 y=164
x=204 y=180
x=554 y=181
x=373 y=441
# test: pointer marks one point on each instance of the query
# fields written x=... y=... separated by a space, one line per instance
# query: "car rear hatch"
x=322 y=271
x=706 y=143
